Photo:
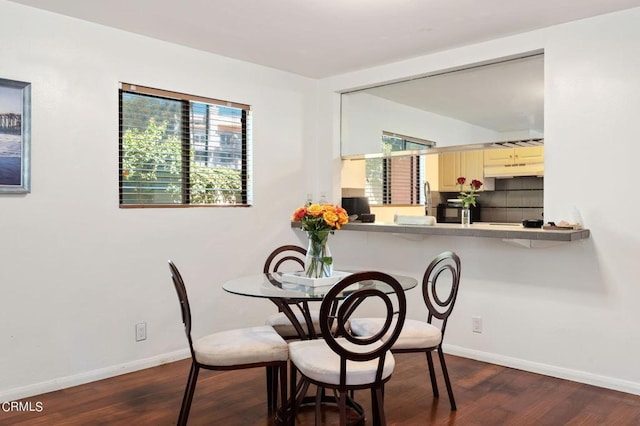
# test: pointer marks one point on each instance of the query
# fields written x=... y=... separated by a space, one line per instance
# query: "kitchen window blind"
x=182 y=150
x=396 y=180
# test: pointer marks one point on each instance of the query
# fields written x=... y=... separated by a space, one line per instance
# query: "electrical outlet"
x=476 y=324
x=141 y=331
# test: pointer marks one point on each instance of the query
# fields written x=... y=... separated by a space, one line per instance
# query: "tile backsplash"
x=513 y=200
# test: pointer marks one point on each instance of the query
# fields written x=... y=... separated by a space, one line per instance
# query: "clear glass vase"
x=466 y=217
x=318 y=262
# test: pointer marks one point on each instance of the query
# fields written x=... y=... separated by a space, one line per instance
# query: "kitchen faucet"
x=427 y=198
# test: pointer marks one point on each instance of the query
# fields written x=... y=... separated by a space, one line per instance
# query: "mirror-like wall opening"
x=486 y=123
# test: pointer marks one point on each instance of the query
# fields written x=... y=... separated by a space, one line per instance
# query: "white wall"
x=571 y=310
x=78 y=272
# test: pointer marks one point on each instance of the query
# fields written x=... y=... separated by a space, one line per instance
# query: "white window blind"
x=183 y=150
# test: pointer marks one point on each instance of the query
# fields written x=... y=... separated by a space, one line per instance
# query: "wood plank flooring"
x=486 y=394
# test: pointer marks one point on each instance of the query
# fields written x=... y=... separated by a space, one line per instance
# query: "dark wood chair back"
x=332 y=310
x=285 y=255
x=289 y=258
x=440 y=287
x=178 y=283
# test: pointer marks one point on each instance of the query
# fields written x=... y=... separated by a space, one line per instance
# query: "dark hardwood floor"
x=486 y=394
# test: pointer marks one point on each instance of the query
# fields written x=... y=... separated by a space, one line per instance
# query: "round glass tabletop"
x=272 y=286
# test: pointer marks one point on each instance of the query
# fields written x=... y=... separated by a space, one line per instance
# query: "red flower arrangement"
x=468 y=198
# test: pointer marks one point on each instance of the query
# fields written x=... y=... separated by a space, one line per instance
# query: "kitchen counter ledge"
x=514 y=233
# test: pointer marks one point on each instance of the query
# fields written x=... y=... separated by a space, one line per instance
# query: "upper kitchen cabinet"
x=452 y=165
x=514 y=156
x=521 y=161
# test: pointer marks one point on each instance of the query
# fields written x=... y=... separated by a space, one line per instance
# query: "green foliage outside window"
x=153 y=171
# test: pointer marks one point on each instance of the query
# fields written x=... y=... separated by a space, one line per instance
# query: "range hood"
x=451 y=148
x=536 y=169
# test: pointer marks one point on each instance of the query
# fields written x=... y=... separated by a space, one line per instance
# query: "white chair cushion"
x=283 y=326
x=241 y=346
x=414 y=335
x=316 y=360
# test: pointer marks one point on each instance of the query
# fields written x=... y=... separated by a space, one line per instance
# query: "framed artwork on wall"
x=15 y=136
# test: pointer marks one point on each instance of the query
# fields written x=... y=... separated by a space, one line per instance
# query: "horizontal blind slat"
x=394 y=180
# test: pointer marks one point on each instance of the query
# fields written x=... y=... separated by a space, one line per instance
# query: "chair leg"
x=272 y=388
x=283 y=393
x=188 y=394
x=319 y=394
x=446 y=379
x=432 y=374
x=374 y=406
x=343 y=408
x=294 y=387
x=377 y=406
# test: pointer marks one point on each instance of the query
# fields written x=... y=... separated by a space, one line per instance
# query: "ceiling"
x=321 y=38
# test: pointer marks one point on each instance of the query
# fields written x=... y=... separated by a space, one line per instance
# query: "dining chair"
x=343 y=362
x=290 y=258
x=439 y=295
x=232 y=350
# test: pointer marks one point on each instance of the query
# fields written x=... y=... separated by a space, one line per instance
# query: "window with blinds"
x=397 y=180
x=183 y=150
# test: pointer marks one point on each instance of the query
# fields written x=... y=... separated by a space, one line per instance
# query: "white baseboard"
x=547 y=370
x=141 y=364
x=91 y=376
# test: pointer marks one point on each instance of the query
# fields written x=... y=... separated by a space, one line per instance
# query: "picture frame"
x=15 y=136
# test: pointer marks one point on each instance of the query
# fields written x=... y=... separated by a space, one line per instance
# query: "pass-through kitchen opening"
x=512 y=201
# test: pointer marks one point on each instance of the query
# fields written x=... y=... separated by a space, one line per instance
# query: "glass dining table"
x=286 y=295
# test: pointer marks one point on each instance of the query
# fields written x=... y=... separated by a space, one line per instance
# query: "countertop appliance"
x=451 y=212
x=358 y=207
x=532 y=223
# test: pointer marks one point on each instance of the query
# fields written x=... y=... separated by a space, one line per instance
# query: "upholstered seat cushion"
x=241 y=346
x=317 y=361
x=283 y=326
x=414 y=335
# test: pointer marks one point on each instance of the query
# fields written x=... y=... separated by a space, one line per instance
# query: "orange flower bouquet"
x=319 y=220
